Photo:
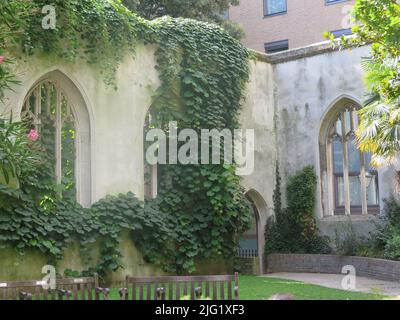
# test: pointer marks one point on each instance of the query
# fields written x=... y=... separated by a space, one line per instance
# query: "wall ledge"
x=298 y=53
x=380 y=269
x=351 y=218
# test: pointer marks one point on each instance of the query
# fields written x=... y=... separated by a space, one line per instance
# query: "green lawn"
x=259 y=288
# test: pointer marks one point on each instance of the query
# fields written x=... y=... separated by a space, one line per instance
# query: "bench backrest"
x=225 y=287
x=66 y=289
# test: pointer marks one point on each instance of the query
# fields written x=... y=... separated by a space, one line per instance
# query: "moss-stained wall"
x=14 y=266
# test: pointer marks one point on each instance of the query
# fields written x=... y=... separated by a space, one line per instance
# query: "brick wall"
x=303 y=24
x=303 y=263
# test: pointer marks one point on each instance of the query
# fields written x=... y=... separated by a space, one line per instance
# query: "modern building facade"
x=277 y=25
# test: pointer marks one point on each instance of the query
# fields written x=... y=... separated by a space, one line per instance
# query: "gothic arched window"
x=55 y=108
x=353 y=182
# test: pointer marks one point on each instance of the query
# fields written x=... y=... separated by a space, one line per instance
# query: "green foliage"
x=382 y=243
x=204 y=10
x=387 y=238
x=204 y=92
x=392 y=250
x=294 y=230
x=201 y=210
x=379 y=26
x=16 y=150
x=277 y=196
x=11 y=21
x=349 y=243
x=200 y=9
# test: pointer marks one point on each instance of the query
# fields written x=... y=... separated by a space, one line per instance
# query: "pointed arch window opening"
x=355 y=182
x=47 y=109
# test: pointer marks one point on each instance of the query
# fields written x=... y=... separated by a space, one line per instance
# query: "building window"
x=47 y=109
x=276 y=46
x=225 y=15
x=273 y=7
x=341 y=32
x=53 y=109
x=354 y=182
x=334 y=1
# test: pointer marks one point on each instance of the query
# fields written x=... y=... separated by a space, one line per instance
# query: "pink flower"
x=2 y=58
x=33 y=135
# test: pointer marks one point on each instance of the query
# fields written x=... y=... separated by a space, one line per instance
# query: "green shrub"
x=294 y=229
x=382 y=243
x=392 y=248
x=387 y=237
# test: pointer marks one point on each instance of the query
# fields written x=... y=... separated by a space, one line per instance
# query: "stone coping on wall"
x=298 y=53
x=333 y=264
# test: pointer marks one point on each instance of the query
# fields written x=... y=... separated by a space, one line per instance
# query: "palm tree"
x=379 y=128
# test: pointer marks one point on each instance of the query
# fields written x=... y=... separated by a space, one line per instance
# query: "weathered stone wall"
x=330 y=264
x=287 y=98
x=309 y=82
x=116 y=116
x=14 y=266
x=116 y=119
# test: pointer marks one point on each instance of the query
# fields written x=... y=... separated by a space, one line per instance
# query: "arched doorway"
x=248 y=244
x=251 y=245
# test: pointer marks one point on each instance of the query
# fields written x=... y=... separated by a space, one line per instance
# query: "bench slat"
x=222 y=290
x=207 y=289
x=230 y=291
x=37 y=295
x=179 y=279
x=178 y=291
x=141 y=294
x=192 y=290
x=222 y=287
x=148 y=291
x=170 y=291
x=215 y=297
x=90 y=291
x=185 y=289
x=133 y=291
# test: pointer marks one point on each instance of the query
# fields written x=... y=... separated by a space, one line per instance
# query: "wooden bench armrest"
x=123 y=293
x=236 y=292
x=64 y=293
x=104 y=291
x=25 y=295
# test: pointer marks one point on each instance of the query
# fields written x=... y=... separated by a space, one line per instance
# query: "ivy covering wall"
x=201 y=210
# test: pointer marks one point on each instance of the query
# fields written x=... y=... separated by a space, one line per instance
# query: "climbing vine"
x=201 y=209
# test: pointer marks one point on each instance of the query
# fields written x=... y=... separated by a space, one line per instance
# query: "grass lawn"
x=259 y=288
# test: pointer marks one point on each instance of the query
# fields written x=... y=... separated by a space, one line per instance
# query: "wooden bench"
x=224 y=287
x=66 y=289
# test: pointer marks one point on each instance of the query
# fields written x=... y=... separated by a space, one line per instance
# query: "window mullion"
x=346 y=179
x=363 y=175
x=154 y=181
x=58 y=136
x=48 y=99
x=37 y=108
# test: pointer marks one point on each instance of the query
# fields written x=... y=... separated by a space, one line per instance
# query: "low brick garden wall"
x=309 y=263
